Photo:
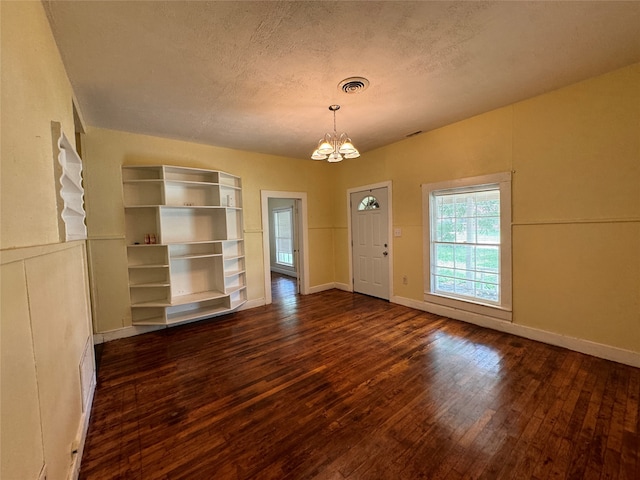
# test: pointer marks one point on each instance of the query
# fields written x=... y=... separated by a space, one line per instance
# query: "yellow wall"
x=45 y=317
x=575 y=154
x=577 y=210
x=35 y=92
x=107 y=150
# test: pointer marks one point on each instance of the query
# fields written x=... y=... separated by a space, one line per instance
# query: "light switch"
x=397 y=232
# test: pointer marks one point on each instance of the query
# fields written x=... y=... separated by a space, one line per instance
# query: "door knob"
x=385 y=253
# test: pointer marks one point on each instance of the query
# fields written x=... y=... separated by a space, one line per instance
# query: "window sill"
x=494 y=311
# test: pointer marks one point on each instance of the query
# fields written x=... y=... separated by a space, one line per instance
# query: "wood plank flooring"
x=338 y=385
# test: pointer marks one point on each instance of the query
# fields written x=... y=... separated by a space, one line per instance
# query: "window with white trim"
x=468 y=244
x=283 y=232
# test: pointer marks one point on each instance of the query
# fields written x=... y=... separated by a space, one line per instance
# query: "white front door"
x=370 y=230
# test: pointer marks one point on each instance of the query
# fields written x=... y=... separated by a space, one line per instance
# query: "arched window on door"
x=368 y=203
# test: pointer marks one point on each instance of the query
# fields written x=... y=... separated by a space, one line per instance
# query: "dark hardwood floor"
x=338 y=385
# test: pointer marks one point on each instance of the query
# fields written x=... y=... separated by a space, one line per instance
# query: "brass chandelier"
x=333 y=147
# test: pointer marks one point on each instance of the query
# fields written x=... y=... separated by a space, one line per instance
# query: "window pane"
x=444 y=284
x=445 y=230
x=466 y=243
x=368 y=203
x=283 y=220
x=465 y=288
x=464 y=205
x=444 y=255
x=465 y=230
x=488 y=259
x=487 y=291
x=489 y=230
x=488 y=204
x=447 y=207
x=464 y=274
x=487 y=277
x=447 y=272
x=283 y=245
x=465 y=257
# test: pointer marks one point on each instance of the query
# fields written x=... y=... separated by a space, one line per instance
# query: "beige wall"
x=45 y=317
x=107 y=150
x=575 y=157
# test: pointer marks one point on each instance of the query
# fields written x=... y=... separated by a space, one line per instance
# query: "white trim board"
x=124 y=332
x=328 y=286
x=256 y=302
x=321 y=288
x=343 y=286
x=81 y=437
x=303 y=246
x=588 y=347
x=501 y=181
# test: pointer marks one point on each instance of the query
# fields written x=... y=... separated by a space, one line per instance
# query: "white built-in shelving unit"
x=71 y=193
x=184 y=239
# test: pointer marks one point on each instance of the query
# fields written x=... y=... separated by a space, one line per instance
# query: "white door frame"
x=303 y=242
x=366 y=188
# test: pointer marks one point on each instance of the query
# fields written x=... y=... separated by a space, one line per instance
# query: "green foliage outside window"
x=467 y=244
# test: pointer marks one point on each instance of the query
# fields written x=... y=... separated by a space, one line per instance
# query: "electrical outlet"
x=405 y=280
x=397 y=232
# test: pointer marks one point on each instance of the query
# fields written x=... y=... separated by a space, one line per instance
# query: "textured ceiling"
x=259 y=76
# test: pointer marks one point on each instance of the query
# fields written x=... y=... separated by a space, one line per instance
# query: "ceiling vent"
x=353 y=85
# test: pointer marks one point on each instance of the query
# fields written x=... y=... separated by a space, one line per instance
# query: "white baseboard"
x=343 y=286
x=125 y=332
x=289 y=272
x=257 y=302
x=321 y=288
x=329 y=286
x=81 y=437
x=588 y=347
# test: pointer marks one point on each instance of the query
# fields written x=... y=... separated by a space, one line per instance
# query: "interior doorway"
x=370 y=240
x=284 y=232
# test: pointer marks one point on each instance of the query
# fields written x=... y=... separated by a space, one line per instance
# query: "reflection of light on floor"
x=291 y=319
x=463 y=399
x=481 y=358
x=283 y=291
